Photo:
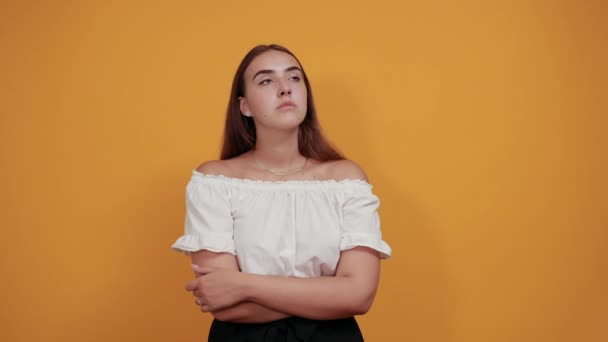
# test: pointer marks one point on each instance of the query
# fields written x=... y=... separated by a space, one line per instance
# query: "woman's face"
x=275 y=92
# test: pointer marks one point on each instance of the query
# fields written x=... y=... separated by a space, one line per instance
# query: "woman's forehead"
x=271 y=60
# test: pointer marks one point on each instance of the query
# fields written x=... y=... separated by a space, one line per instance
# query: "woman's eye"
x=266 y=81
x=296 y=78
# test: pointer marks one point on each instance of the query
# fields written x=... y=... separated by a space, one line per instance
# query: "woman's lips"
x=286 y=106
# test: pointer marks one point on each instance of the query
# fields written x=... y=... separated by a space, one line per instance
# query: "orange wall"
x=482 y=126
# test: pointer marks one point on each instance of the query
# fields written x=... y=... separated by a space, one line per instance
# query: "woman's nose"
x=284 y=89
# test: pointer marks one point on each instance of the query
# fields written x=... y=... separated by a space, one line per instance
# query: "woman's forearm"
x=350 y=292
x=313 y=298
x=249 y=312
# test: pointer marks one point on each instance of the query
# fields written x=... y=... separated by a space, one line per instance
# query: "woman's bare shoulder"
x=226 y=167
x=215 y=167
x=211 y=167
x=345 y=169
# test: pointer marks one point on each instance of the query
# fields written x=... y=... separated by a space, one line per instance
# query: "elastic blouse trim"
x=285 y=184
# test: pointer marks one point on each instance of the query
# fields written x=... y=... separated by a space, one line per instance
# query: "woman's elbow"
x=363 y=304
x=233 y=314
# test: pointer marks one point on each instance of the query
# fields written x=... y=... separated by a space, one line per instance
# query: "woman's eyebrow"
x=268 y=71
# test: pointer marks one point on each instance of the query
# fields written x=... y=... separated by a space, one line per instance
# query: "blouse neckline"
x=294 y=182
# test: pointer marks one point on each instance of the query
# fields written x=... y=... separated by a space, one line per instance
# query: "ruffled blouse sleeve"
x=209 y=222
x=361 y=223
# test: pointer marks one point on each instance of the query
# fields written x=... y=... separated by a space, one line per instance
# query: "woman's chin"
x=285 y=121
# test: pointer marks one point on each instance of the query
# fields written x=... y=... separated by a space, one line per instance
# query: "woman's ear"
x=244 y=107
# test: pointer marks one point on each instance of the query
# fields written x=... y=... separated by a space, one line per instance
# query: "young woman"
x=283 y=231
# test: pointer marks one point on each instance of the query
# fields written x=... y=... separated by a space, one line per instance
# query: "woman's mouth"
x=286 y=106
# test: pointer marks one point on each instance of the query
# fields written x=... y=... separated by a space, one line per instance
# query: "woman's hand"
x=216 y=288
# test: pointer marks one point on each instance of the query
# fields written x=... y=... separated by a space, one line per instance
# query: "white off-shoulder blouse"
x=290 y=228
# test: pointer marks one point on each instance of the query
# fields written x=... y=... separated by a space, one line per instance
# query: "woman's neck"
x=278 y=151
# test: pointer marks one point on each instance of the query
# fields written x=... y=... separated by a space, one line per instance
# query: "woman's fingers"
x=202 y=270
x=192 y=285
x=203 y=306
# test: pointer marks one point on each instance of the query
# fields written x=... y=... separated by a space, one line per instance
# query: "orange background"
x=482 y=126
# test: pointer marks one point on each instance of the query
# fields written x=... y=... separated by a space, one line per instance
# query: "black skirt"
x=292 y=329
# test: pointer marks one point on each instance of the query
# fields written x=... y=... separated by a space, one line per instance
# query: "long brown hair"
x=239 y=131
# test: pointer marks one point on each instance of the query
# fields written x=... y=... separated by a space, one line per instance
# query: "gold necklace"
x=278 y=173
